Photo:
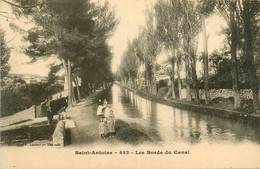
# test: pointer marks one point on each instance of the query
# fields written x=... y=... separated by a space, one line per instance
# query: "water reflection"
x=169 y=125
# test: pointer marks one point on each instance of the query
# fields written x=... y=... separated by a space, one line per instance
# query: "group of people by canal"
x=107 y=119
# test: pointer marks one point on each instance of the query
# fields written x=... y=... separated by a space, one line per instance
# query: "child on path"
x=100 y=110
x=102 y=128
x=105 y=103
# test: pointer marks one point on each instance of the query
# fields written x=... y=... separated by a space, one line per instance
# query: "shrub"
x=128 y=134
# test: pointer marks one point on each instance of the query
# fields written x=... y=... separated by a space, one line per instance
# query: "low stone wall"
x=58 y=137
x=27 y=114
x=224 y=93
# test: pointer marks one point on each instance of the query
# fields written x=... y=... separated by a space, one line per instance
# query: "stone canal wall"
x=224 y=93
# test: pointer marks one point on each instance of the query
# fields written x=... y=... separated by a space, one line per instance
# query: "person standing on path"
x=102 y=128
x=100 y=111
x=107 y=111
x=49 y=113
x=111 y=123
x=99 y=102
x=105 y=103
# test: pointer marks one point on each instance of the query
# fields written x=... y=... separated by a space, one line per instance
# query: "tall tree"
x=206 y=8
x=191 y=27
x=130 y=63
x=151 y=48
x=5 y=55
x=250 y=16
x=205 y=61
x=228 y=10
x=169 y=17
x=68 y=29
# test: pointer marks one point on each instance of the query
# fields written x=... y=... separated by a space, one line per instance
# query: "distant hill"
x=23 y=75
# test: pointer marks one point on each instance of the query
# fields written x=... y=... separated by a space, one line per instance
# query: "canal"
x=168 y=125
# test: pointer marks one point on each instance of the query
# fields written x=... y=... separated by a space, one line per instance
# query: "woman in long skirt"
x=111 y=124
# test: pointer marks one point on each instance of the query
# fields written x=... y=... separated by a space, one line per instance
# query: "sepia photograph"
x=122 y=84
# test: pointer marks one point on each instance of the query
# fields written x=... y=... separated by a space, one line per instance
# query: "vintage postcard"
x=129 y=84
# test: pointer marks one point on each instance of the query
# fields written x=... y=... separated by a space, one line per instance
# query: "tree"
x=144 y=60
x=228 y=11
x=205 y=61
x=190 y=29
x=96 y=67
x=151 y=48
x=5 y=55
x=250 y=13
x=206 y=8
x=130 y=63
x=169 y=16
x=68 y=29
x=52 y=77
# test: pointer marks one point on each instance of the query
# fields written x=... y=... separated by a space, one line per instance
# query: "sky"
x=132 y=18
x=19 y=62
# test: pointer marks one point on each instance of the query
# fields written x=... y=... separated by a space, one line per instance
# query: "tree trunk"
x=173 y=73
x=146 y=80
x=70 y=88
x=173 y=87
x=94 y=87
x=73 y=95
x=153 y=81
x=236 y=88
x=83 y=87
x=194 y=78
x=187 y=65
x=77 y=86
x=125 y=82
x=85 y=90
x=104 y=85
x=205 y=61
x=250 y=56
x=90 y=86
x=179 y=76
x=67 y=68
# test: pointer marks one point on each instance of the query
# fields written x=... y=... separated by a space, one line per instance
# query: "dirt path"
x=86 y=131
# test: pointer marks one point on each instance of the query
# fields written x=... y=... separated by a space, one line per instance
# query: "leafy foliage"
x=75 y=30
x=5 y=55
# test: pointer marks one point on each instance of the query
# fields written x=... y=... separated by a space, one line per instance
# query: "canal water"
x=168 y=125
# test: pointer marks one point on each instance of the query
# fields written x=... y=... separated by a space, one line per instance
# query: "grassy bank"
x=135 y=134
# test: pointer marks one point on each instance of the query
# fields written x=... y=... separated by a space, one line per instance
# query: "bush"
x=162 y=83
x=129 y=134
